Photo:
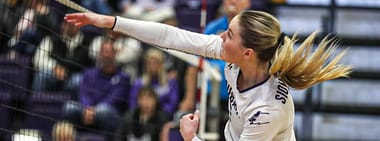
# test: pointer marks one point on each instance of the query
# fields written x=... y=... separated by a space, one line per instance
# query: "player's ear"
x=249 y=52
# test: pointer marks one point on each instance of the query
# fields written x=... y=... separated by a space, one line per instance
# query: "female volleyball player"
x=262 y=65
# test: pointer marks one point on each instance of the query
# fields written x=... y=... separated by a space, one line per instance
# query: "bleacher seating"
x=46 y=108
x=188 y=13
x=83 y=136
x=15 y=74
x=5 y=99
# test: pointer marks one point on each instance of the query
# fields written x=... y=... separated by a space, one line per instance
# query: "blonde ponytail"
x=303 y=68
x=299 y=69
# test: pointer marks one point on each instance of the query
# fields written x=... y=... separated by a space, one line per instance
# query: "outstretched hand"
x=87 y=18
x=189 y=125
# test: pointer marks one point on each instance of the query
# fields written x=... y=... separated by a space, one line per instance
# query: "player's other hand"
x=87 y=18
x=189 y=125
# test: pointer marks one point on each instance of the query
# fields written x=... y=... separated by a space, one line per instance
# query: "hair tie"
x=280 y=40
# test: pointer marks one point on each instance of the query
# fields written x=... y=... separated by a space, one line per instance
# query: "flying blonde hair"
x=302 y=68
x=299 y=69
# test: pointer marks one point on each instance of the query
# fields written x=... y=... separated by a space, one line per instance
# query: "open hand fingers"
x=75 y=15
x=78 y=19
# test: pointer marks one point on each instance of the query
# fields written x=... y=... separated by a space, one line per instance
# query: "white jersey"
x=170 y=37
x=264 y=112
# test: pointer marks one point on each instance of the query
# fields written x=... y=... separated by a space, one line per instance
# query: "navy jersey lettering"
x=233 y=105
x=282 y=92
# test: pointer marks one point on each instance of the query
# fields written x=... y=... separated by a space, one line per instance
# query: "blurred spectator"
x=231 y=8
x=139 y=8
x=185 y=73
x=263 y=5
x=11 y=12
x=186 y=76
x=156 y=76
x=98 y=6
x=102 y=94
x=189 y=15
x=118 y=6
x=128 y=53
x=27 y=134
x=145 y=122
x=36 y=23
x=59 y=61
x=63 y=131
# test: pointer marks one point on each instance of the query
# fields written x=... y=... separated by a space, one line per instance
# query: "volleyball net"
x=40 y=57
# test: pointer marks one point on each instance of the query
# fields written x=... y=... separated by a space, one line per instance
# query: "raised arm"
x=158 y=34
x=83 y=19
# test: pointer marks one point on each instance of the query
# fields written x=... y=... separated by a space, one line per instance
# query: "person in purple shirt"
x=103 y=93
x=155 y=75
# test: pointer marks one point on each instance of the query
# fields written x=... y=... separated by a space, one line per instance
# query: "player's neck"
x=252 y=75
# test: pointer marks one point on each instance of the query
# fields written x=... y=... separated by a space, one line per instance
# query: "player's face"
x=233 y=50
